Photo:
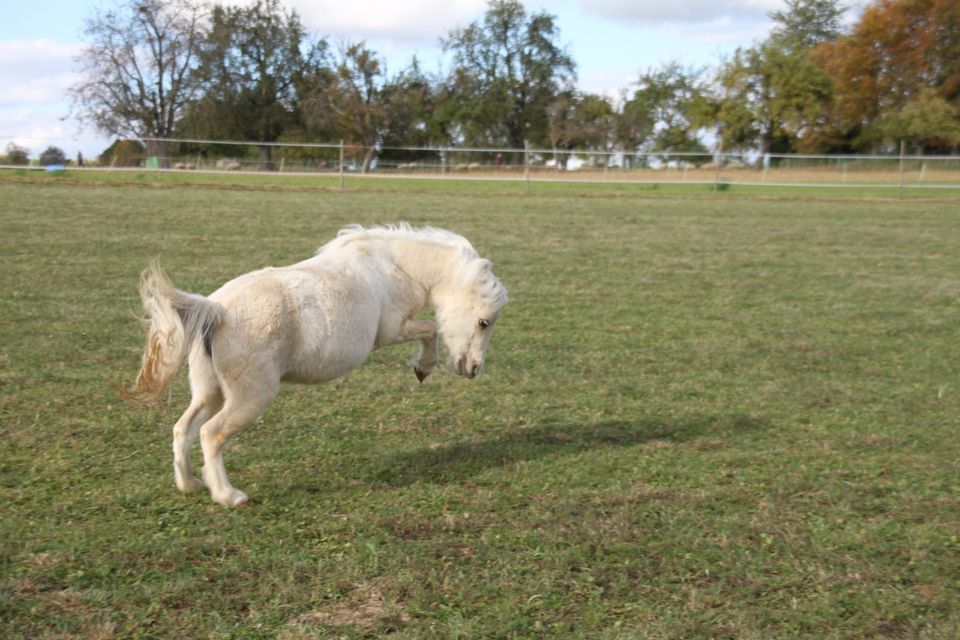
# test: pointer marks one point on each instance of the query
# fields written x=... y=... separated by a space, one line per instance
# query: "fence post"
x=526 y=165
x=903 y=150
x=716 y=177
x=341 y=165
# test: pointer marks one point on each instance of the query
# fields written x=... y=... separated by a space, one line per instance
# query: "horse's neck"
x=428 y=264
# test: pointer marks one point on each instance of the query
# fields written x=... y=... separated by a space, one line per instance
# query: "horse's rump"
x=175 y=320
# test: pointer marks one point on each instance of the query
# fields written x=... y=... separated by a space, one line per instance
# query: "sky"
x=612 y=42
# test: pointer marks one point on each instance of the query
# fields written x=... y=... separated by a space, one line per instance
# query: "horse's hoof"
x=232 y=499
x=421 y=375
x=239 y=500
x=190 y=485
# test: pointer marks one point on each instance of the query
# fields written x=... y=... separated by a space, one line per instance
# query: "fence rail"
x=547 y=165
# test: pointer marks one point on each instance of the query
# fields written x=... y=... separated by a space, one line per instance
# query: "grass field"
x=701 y=417
x=780 y=183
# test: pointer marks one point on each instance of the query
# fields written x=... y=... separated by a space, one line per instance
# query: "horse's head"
x=467 y=315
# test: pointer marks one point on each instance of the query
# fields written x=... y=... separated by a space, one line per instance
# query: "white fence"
x=551 y=165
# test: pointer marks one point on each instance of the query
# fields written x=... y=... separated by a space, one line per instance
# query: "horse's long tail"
x=175 y=321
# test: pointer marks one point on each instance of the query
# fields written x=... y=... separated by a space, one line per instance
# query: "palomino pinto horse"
x=309 y=322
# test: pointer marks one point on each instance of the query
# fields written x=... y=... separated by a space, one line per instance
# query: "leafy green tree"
x=17 y=155
x=507 y=69
x=773 y=93
x=579 y=120
x=354 y=99
x=256 y=62
x=768 y=97
x=926 y=122
x=633 y=126
x=52 y=155
x=807 y=23
x=351 y=99
x=139 y=68
x=411 y=99
x=669 y=108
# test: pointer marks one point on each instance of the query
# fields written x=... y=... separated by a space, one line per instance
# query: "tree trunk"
x=517 y=142
x=159 y=149
x=368 y=158
x=766 y=141
x=266 y=158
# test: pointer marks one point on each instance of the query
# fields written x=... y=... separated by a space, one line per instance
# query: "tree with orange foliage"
x=895 y=55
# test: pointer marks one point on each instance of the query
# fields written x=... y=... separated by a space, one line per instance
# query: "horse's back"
x=310 y=322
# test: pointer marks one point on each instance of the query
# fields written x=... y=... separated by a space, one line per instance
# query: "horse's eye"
x=484 y=324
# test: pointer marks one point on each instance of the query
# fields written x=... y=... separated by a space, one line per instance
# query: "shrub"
x=17 y=154
x=123 y=153
x=52 y=155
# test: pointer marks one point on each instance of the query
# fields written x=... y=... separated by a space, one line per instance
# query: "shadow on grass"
x=460 y=461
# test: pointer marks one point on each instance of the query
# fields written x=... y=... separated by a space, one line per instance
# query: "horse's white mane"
x=468 y=267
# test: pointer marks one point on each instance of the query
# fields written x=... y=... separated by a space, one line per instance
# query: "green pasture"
x=701 y=417
x=543 y=183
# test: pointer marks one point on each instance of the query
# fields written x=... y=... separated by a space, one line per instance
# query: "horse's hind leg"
x=184 y=435
x=206 y=400
x=239 y=410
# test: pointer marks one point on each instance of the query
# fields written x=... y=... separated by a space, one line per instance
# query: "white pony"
x=309 y=322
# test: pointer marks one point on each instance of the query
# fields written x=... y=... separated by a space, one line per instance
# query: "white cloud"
x=388 y=22
x=687 y=11
x=35 y=71
x=34 y=78
x=722 y=32
x=42 y=48
x=38 y=128
x=39 y=89
x=609 y=81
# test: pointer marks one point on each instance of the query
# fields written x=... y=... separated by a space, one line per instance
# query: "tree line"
x=192 y=69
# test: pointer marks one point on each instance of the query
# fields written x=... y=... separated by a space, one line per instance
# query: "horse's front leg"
x=426 y=332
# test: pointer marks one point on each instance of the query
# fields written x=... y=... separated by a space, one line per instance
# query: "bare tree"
x=139 y=68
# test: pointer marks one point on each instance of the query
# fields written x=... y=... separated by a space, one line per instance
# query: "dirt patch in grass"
x=364 y=609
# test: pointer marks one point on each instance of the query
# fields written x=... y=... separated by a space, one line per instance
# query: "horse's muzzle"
x=468 y=369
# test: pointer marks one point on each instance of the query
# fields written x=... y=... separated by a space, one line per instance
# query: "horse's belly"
x=307 y=377
x=328 y=353
x=310 y=373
